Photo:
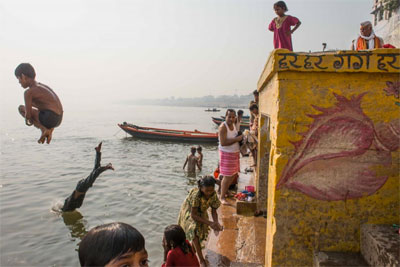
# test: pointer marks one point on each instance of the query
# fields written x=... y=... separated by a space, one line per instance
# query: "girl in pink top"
x=281 y=26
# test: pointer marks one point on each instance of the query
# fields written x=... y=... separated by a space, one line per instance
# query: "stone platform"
x=242 y=243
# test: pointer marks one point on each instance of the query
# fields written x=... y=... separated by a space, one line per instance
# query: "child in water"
x=200 y=157
x=281 y=26
x=191 y=161
x=177 y=250
x=76 y=198
x=193 y=216
x=113 y=245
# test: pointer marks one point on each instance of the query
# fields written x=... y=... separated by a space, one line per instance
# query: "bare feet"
x=49 y=136
x=109 y=166
x=43 y=136
x=224 y=201
x=98 y=148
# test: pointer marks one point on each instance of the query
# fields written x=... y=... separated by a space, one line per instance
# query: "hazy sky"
x=122 y=49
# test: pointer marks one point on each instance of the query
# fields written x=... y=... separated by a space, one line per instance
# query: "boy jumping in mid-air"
x=191 y=161
x=200 y=156
x=75 y=200
x=42 y=108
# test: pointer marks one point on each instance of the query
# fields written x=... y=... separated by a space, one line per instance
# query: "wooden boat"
x=169 y=135
x=243 y=125
x=212 y=110
x=243 y=117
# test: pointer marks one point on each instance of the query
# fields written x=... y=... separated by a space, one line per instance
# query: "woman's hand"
x=216 y=226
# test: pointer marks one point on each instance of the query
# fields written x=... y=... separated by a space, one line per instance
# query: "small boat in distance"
x=212 y=110
x=169 y=135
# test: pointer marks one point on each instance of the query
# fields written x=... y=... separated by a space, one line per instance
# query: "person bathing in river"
x=75 y=200
x=281 y=26
x=43 y=108
x=193 y=216
x=200 y=156
x=191 y=161
x=177 y=250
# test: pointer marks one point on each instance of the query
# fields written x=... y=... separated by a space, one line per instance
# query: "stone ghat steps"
x=242 y=243
x=380 y=246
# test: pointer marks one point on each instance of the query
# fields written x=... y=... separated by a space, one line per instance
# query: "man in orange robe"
x=367 y=38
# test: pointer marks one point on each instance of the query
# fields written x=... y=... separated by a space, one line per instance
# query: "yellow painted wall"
x=300 y=222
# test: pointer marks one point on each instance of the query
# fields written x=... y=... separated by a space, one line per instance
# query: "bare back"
x=44 y=98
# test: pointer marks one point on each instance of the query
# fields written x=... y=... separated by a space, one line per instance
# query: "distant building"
x=386 y=21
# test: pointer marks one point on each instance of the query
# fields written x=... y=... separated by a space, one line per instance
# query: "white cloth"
x=370 y=39
x=229 y=134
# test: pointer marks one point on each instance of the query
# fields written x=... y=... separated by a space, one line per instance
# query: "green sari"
x=191 y=227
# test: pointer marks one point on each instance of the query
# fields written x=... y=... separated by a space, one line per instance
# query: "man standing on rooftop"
x=367 y=38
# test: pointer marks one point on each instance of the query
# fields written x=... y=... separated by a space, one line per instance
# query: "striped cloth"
x=229 y=163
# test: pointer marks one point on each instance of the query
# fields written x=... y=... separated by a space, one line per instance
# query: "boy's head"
x=199 y=149
x=254 y=109
x=113 y=244
x=25 y=73
x=280 y=8
x=255 y=94
x=240 y=113
x=193 y=150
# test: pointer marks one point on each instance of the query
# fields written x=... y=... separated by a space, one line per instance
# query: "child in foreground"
x=281 y=26
x=177 y=250
x=191 y=161
x=113 y=245
x=193 y=216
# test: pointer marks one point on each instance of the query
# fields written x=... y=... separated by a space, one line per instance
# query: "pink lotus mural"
x=337 y=157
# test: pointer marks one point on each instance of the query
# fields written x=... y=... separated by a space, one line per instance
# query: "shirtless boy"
x=200 y=157
x=42 y=108
x=191 y=161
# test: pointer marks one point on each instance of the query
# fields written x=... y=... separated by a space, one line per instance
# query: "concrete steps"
x=379 y=245
x=242 y=243
x=338 y=259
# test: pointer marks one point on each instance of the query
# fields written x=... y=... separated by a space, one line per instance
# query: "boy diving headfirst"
x=42 y=108
x=75 y=200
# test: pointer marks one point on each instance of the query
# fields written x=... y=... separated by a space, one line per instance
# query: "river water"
x=145 y=190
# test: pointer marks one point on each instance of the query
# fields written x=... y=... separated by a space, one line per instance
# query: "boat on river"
x=168 y=134
x=243 y=125
x=212 y=110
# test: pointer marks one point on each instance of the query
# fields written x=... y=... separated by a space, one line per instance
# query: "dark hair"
x=199 y=148
x=255 y=92
x=107 y=242
x=193 y=149
x=240 y=112
x=205 y=181
x=253 y=106
x=282 y=5
x=175 y=236
x=26 y=69
x=229 y=110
